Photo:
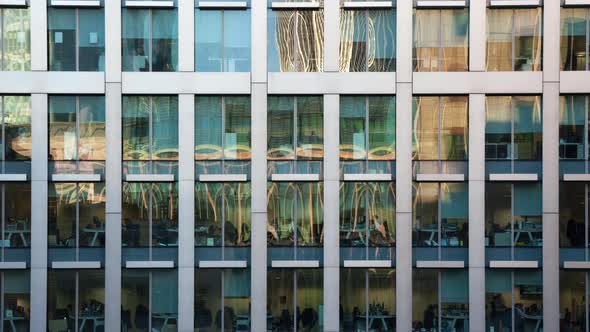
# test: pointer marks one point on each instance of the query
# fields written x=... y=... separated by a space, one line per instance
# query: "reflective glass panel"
x=136 y=39
x=453 y=128
x=63 y=140
x=16 y=39
x=455 y=40
x=164 y=128
x=208 y=127
x=91 y=120
x=62 y=39
x=528 y=215
x=62 y=215
x=500 y=44
x=528 y=130
x=499 y=301
x=91 y=218
x=17 y=225
x=280 y=128
x=573 y=111
x=425 y=298
x=164 y=41
x=310 y=128
x=237 y=128
x=425 y=136
x=353 y=127
x=91 y=40
x=574 y=42
x=572 y=214
x=17 y=302
x=381 y=128
x=499 y=127
x=573 y=287
x=136 y=128
x=498 y=209
x=17 y=127
x=527 y=39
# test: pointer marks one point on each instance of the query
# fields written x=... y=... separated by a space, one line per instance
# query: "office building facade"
x=310 y=165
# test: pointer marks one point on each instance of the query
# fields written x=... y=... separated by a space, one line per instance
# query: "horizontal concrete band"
x=223 y=264
x=223 y=178
x=441 y=177
x=367 y=4
x=13 y=177
x=367 y=263
x=149 y=4
x=75 y=177
x=576 y=265
x=295 y=177
x=514 y=177
x=576 y=177
x=75 y=3
x=13 y=265
x=440 y=264
x=367 y=177
x=76 y=265
x=515 y=3
x=295 y=5
x=295 y=264
x=514 y=264
x=149 y=178
x=223 y=4
x=149 y=264
x=440 y=3
x=13 y=3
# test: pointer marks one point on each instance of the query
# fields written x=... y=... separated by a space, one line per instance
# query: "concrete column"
x=477 y=125
x=38 y=10
x=331 y=213
x=186 y=36
x=186 y=210
x=403 y=189
x=112 y=14
x=477 y=36
x=404 y=40
x=113 y=134
x=331 y=36
x=39 y=212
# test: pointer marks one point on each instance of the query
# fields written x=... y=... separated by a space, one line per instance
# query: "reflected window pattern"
x=222 y=214
x=513 y=128
x=76 y=39
x=573 y=211
x=296 y=302
x=573 y=127
x=222 y=40
x=367 y=214
x=295 y=40
x=295 y=128
x=440 y=300
x=150 y=215
x=295 y=214
x=573 y=307
x=574 y=38
x=440 y=128
x=222 y=300
x=513 y=213
x=15 y=39
x=76 y=216
x=75 y=300
x=16 y=128
x=15 y=307
x=367 y=128
x=150 y=39
x=514 y=301
x=514 y=39
x=149 y=300
x=367 y=40
x=367 y=300
x=441 y=40
x=223 y=128
x=77 y=128
x=440 y=215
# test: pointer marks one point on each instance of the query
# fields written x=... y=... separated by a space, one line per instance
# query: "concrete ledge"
x=478 y=82
x=295 y=5
x=19 y=3
x=52 y=82
x=149 y=4
x=576 y=265
x=75 y=3
x=515 y=3
x=369 y=83
x=149 y=264
x=13 y=265
x=149 y=178
x=367 y=263
x=223 y=264
x=186 y=82
x=576 y=177
x=223 y=178
x=295 y=177
x=440 y=3
x=514 y=177
x=223 y=4
x=514 y=264
x=76 y=265
x=440 y=177
x=576 y=2
x=367 y=177
x=440 y=264
x=367 y=4
x=295 y=264
x=13 y=177
x=75 y=177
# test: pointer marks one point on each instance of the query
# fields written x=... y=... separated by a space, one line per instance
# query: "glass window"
x=295 y=214
x=573 y=292
x=295 y=40
x=367 y=40
x=222 y=40
x=75 y=300
x=440 y=215
x=573 y=209
x=367 y=300
x=227 y=289
x=513 y=128
x=574 y=38
x=440 y=128
x=16 y=129
x=76 y=39
x=514 y=301
x=440 y=300
x=441 y=40
x=150 y=39
x=76 y=128
x=149 y=300
x=573 y=119
x=513 y=215
x=296 y=301
x=514 y=39
x=15 y=39
x=222 y=128
x=367 y=214
x=377 y=113
x=16 y=304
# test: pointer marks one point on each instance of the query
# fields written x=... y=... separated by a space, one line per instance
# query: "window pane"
x=310 y=214
x=453 y=131
x=62 y=39
x=352 y=127
x=353 y=40
x=310 y=128
x=136 y=32
x=280 y=302
x=208 y=128
x=164 y=214
x=381 y=199
x=498 y=127
x=572 y=214
x=236 y=298
x=573 y=38
x=237 y=128
x=63 y=144
x=17 y=127
x=528 y=131
x=91 y=300
x=455 y=40
x=164 y=299
x=353 y=300
x=381 y=128
x=453 y=214
x=572 y=300
x=353 y=215
x=310 y=299
x=17 y=228
x=528 y=227
x=498 y=300
x=61 y=301
x=164 y=40
x=281 y=53
x=500 y=40
x=208 y=292
x=383 y=53
x=280 y=128
x=425 y=214
x=281 y=213
x=237 y=214
x=208 y=214
x=454 y=300
x=16 y=39
x=426 y=128
x=135 y=299
x=528 y=285
x=527 y=39
x=136 y=202
x=92 y=128
x=498 y=209
x=17 y=289
x=427 y=40
x=425 y=299
x=92 y=214
x=572 y=114
x=91 y=39
x=136 y=128
x=62 y=215
x=208 y=29
x=236 y=39
x=165 y=128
